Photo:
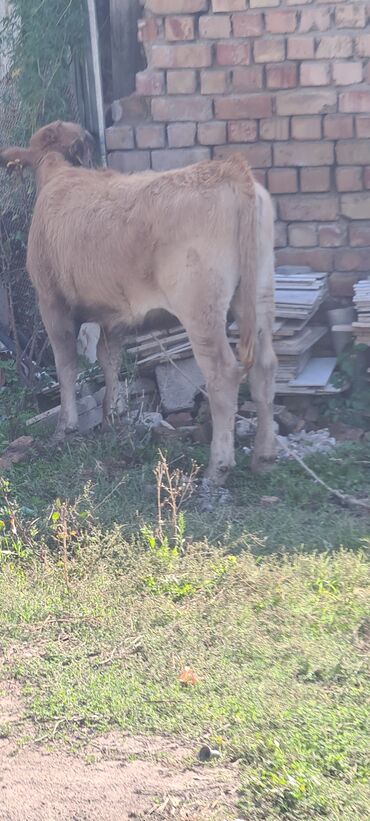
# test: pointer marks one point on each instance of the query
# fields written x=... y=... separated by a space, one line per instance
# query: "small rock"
x=178 y=420
x=206 y=753
x=245 y=429
x=17 y=451
x=152 y=420
x=289 y=423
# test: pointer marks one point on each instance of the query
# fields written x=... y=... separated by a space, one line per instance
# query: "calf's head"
x=69 y=140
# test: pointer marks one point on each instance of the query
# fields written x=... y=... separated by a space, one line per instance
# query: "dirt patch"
x=127 y=778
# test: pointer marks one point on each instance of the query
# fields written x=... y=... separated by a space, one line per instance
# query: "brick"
x=349 y=178
x=242 y=131
x=338 y=127
x=175 y=6
x=281 y=22
x=332 y=234
x=350 y=16
x=269 y=51
x=179 y=28
x=150 y=135
x=281 y=234
x=181 y=81
x=213 y=82
x=304 y=153
x=214 y=26
x=367 y=177
x=258 y=155
x=319 y=259
x=306 y=128
x=150 y=83
x=353 y=152
x=362 y=127
x=314 y=20
x=356 y=101
x=274 y=128
x=281 y=76
x=129 y=161
x=352 y=259
x=359 y=234
x=192 y=55
x=301 y=48
x=306 y=102
x=348 y=73
x=334 y=47
x=355 y=206
x=341 y=285
x=148 y=30
x=314 y=74
x=308 y=207
x=261 y=4
x=178 y=157
x=213 y=133
x=119 y=137
x=247 y=24
x=181 y=108
x=130 y=110
x=232 y=54
x=228 y=5
x=367 y=72
x=282 y=180
x=315 y=179
x=302 y=235
x=362 y=45
x=181 y=135
x=244 y=107
x=247 y=79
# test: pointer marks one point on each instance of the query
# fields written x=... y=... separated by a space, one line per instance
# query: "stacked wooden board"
x=299 y=293
x=361 y=301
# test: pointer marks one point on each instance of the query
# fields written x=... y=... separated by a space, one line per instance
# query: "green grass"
x=268 y=605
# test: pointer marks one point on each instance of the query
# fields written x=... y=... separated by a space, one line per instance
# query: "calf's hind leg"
x=262 y=382
x=222 y=376
x=62 y=332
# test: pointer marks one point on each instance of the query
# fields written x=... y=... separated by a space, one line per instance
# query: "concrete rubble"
x=305 y=443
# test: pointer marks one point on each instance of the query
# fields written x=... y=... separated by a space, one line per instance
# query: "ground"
x=128 y=640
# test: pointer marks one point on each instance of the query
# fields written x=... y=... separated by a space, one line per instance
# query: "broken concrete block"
x=87 y=341
x=179 y=390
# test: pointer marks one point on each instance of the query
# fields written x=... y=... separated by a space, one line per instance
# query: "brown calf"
x=108 y=248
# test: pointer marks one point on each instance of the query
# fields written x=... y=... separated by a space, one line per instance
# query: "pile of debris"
x=169 y=380
x=361 y=299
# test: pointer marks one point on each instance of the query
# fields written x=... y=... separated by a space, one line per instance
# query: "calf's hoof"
x=263 y=464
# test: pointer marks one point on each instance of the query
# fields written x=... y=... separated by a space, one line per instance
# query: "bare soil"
x=127 y=778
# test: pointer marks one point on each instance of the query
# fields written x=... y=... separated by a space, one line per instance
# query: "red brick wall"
x=287 y=82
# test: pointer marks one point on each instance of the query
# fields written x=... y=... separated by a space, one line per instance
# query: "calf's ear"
x=75 y=153
x=15 y=158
